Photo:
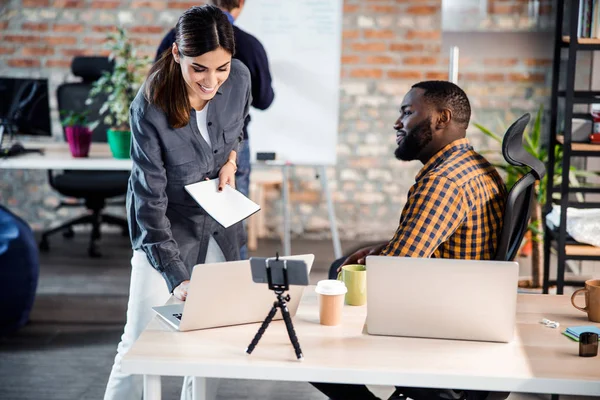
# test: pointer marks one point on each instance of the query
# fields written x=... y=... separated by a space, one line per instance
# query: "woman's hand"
x=227 y=172
x=181 y=291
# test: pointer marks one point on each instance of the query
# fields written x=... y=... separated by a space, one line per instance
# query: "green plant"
x=121 y=84
x=533 y=144
x=73 y=118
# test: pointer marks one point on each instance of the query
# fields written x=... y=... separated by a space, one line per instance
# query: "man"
x=454 y=209
x=250 y=52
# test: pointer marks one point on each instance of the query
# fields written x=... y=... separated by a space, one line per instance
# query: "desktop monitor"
x=25 y=108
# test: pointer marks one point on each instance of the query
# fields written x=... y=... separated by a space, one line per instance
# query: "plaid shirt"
x=454 y=209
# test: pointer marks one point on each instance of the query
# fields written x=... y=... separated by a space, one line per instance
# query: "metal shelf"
x=577 y=204
x=578 y=189
x=581 y=149
x=589 y=44
x=583 y=96
x=576 y=251
x=571 y=250
x=587 y=116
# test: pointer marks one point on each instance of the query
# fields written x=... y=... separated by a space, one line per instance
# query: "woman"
x=186 y=125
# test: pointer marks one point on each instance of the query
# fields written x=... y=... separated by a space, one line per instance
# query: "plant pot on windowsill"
x=79 y=139
x=119 y=141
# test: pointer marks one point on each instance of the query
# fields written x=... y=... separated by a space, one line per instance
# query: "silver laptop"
x=441 y=298
x=224 y=294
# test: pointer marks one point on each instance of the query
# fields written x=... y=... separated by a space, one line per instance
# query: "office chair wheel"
x=68 y=233
x=44 y=245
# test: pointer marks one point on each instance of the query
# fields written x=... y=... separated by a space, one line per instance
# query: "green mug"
x=355 y=278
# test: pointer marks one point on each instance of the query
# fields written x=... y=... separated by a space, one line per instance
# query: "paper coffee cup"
x=331 y=301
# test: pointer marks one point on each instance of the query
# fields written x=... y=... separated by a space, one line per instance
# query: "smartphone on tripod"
x=297 y=272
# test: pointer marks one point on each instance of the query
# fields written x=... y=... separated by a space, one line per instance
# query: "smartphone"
x=297 y=272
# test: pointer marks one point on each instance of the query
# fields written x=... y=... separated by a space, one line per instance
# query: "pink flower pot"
x=79 y=139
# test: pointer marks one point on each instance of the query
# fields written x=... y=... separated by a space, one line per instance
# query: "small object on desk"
x=265 y=156
x=595 y=126
x=595 y=138
x=279 y=288
x=550 y=324
x=588 y=344
x=331 y=301
x=17 y=149
x=574 y=332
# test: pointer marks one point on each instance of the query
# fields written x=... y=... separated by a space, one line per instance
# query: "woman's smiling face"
x=204 y=74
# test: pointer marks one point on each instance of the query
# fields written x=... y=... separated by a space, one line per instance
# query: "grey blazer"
x=164 y=221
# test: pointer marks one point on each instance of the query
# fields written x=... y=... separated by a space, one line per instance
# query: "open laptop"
x=441 y=298
x=224 y=294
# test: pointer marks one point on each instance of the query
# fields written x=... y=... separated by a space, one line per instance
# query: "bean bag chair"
x=19 y=271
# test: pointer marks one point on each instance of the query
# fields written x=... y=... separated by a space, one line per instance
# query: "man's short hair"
x=444 y=94
x=226 y=4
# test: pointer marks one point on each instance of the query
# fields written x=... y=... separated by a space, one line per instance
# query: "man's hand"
x=359 y=256
x=227 y=175
x=181 y=291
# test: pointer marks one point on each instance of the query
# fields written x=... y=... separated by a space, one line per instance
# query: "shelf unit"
x=552 y=239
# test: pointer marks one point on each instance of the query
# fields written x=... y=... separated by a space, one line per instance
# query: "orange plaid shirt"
x=454 y=209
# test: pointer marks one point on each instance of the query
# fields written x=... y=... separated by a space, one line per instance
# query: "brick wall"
x=387 y=46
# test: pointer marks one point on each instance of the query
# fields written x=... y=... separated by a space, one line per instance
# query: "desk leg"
x=204 y=388
x=285 y=199
x=152 y=389
x=335 y=237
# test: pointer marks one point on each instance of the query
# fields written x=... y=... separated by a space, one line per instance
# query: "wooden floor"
x=67 y=349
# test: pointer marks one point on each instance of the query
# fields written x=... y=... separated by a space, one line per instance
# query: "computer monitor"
x=25 y=108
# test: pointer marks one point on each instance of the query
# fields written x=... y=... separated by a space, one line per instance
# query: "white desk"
x=539 y=360
x=58 y=156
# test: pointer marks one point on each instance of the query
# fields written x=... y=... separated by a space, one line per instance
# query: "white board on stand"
x=302 y=39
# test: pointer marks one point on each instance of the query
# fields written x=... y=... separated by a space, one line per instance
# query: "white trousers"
x=147 y=289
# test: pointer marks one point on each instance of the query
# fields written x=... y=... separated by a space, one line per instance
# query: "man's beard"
x=413 y=143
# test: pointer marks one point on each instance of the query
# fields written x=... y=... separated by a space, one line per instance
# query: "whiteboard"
x=302 y=39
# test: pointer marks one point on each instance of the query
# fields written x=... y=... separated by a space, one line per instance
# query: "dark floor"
x=67 y=349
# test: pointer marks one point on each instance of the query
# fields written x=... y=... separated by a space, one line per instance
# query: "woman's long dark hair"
x=198 y=31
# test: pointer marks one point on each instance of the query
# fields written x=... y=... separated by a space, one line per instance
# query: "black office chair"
x=518 y=202
x=93 y=188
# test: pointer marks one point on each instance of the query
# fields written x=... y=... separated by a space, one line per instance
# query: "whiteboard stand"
x=285 y=208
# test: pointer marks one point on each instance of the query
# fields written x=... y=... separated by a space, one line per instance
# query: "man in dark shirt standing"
x=250 y=52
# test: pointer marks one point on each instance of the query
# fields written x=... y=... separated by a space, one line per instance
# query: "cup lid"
x=331 y=287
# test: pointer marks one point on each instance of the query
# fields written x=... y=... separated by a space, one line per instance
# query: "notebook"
x=227 y=207
x=573 y=332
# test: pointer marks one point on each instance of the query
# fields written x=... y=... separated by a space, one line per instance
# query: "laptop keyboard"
x=178 y=316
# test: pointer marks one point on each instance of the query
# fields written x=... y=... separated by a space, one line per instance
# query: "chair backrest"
x=518 y=202
x=71 y=96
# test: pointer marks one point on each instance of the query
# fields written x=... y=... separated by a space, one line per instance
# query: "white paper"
x=227 y=207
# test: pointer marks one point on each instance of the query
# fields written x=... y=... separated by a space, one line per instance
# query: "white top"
x=202 y=127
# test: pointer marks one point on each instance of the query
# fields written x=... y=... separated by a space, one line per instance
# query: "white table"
x=58 y=156
x=539 y=360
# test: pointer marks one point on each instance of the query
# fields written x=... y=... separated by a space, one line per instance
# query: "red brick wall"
x=388 y=45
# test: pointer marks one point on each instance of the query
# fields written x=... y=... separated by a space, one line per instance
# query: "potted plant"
x=120 y=86
x=533 y=144
x=77 y=131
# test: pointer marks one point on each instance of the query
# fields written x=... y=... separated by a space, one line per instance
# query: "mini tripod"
x=281 y=303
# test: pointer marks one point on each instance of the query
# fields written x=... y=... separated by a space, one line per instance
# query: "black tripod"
x=281 y=303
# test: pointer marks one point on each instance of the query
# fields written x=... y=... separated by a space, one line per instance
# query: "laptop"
x=223 y=294
x=441 y=298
